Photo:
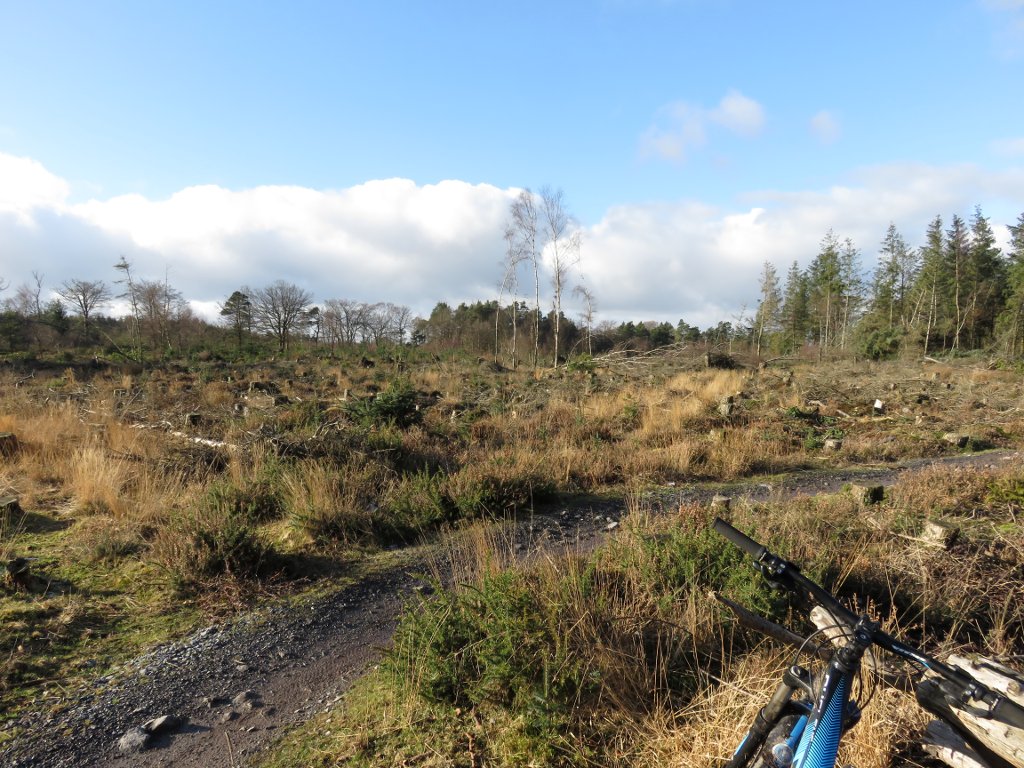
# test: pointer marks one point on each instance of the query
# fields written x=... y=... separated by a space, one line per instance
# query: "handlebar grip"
x=1008 y=711
x=740 y=539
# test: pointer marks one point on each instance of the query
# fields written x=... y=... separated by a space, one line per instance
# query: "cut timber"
x=1008 y=682
x=999 y=744
x=945 y=744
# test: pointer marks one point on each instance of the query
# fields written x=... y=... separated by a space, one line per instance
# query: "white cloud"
x=825 y=127
x=681 y=127
x=392 y=240
x=701 y=264
x=738 y=113
x=26 y=184
x=1009 y=147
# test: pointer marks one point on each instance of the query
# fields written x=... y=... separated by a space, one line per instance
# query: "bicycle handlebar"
x=788 y=575
x=740 y=539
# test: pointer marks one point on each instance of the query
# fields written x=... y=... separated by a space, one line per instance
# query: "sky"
x=370 y=150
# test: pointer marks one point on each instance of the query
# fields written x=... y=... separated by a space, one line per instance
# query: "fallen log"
x=999 y=745
x=948 y=746
x=961 y=738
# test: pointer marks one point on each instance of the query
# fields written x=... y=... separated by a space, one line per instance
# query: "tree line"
x=955 y=293
x=159 y=323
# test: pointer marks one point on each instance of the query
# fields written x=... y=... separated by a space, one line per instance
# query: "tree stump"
x=8 y=444
x=868 y=494
x=721 y=503
x=18 y=574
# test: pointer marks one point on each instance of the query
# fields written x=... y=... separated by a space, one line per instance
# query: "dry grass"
x=707 y=730
x=99 y=481
x=496 y=441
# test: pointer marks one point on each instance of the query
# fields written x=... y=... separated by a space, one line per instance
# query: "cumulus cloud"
x=691 y=261
x=394 y=240
x=681 y=127
x=25 y=185
x=384 y=240
x=738 y=113
x=825 y=127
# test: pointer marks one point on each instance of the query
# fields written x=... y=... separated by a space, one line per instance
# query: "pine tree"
x=931 y=287
x=237 y=314
x=766 y=321
x=890 y=288
x=987 y=281
x=795 y=309
x=1011 y=319
x=958 y=267
x=834 y=288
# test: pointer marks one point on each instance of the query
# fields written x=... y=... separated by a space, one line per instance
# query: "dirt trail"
x=296 y=660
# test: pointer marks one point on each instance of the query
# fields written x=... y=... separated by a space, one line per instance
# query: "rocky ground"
x=228 y=690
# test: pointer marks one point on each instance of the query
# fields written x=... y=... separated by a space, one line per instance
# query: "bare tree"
x=27 y=299
x=279 y=310
x=83 y=298
x=161 y=306
x=563 y=248
x=587 y=313
x=523 y=227
x=400 y=319
x=131 y=293
x=27 y=302
x=346 y=319
x=514 y=256
x=376 y=323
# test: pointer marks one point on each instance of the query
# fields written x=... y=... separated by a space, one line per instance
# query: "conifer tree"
x=795 y=309
x=769 y=308
x=986 y=281
x=1011 y=319
x=931 y=286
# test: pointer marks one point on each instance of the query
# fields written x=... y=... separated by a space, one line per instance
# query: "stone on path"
x=134 y=740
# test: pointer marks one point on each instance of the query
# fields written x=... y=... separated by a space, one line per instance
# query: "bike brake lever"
x=767 y=574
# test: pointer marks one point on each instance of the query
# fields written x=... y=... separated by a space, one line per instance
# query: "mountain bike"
x=804 y=720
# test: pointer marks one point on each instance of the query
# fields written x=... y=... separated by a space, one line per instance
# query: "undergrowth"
x=622 y=658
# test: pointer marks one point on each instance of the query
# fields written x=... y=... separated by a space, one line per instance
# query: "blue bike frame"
x=807 y=735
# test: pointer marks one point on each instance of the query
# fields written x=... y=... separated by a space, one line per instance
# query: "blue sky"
x=369 y=150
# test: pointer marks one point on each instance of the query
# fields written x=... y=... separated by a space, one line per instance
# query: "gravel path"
x=236 y=686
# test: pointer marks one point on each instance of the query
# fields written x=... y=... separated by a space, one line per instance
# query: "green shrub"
x=496 y=487
x=882 y=344
x=690 y=557
x=258 y=501
x=396 y=406
x=200 y=547
x=416 y=502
